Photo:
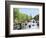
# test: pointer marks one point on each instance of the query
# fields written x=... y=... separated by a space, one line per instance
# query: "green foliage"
x=36 y=17
x=20 y=17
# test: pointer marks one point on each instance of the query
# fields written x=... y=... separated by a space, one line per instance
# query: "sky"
x=29 y=11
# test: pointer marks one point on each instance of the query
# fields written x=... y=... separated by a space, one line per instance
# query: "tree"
x=36 y=17
x=20 y=17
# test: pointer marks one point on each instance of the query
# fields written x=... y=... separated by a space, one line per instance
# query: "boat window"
x=33 y=21
x=33 y=25
x=25 y=24
x=29 y=26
